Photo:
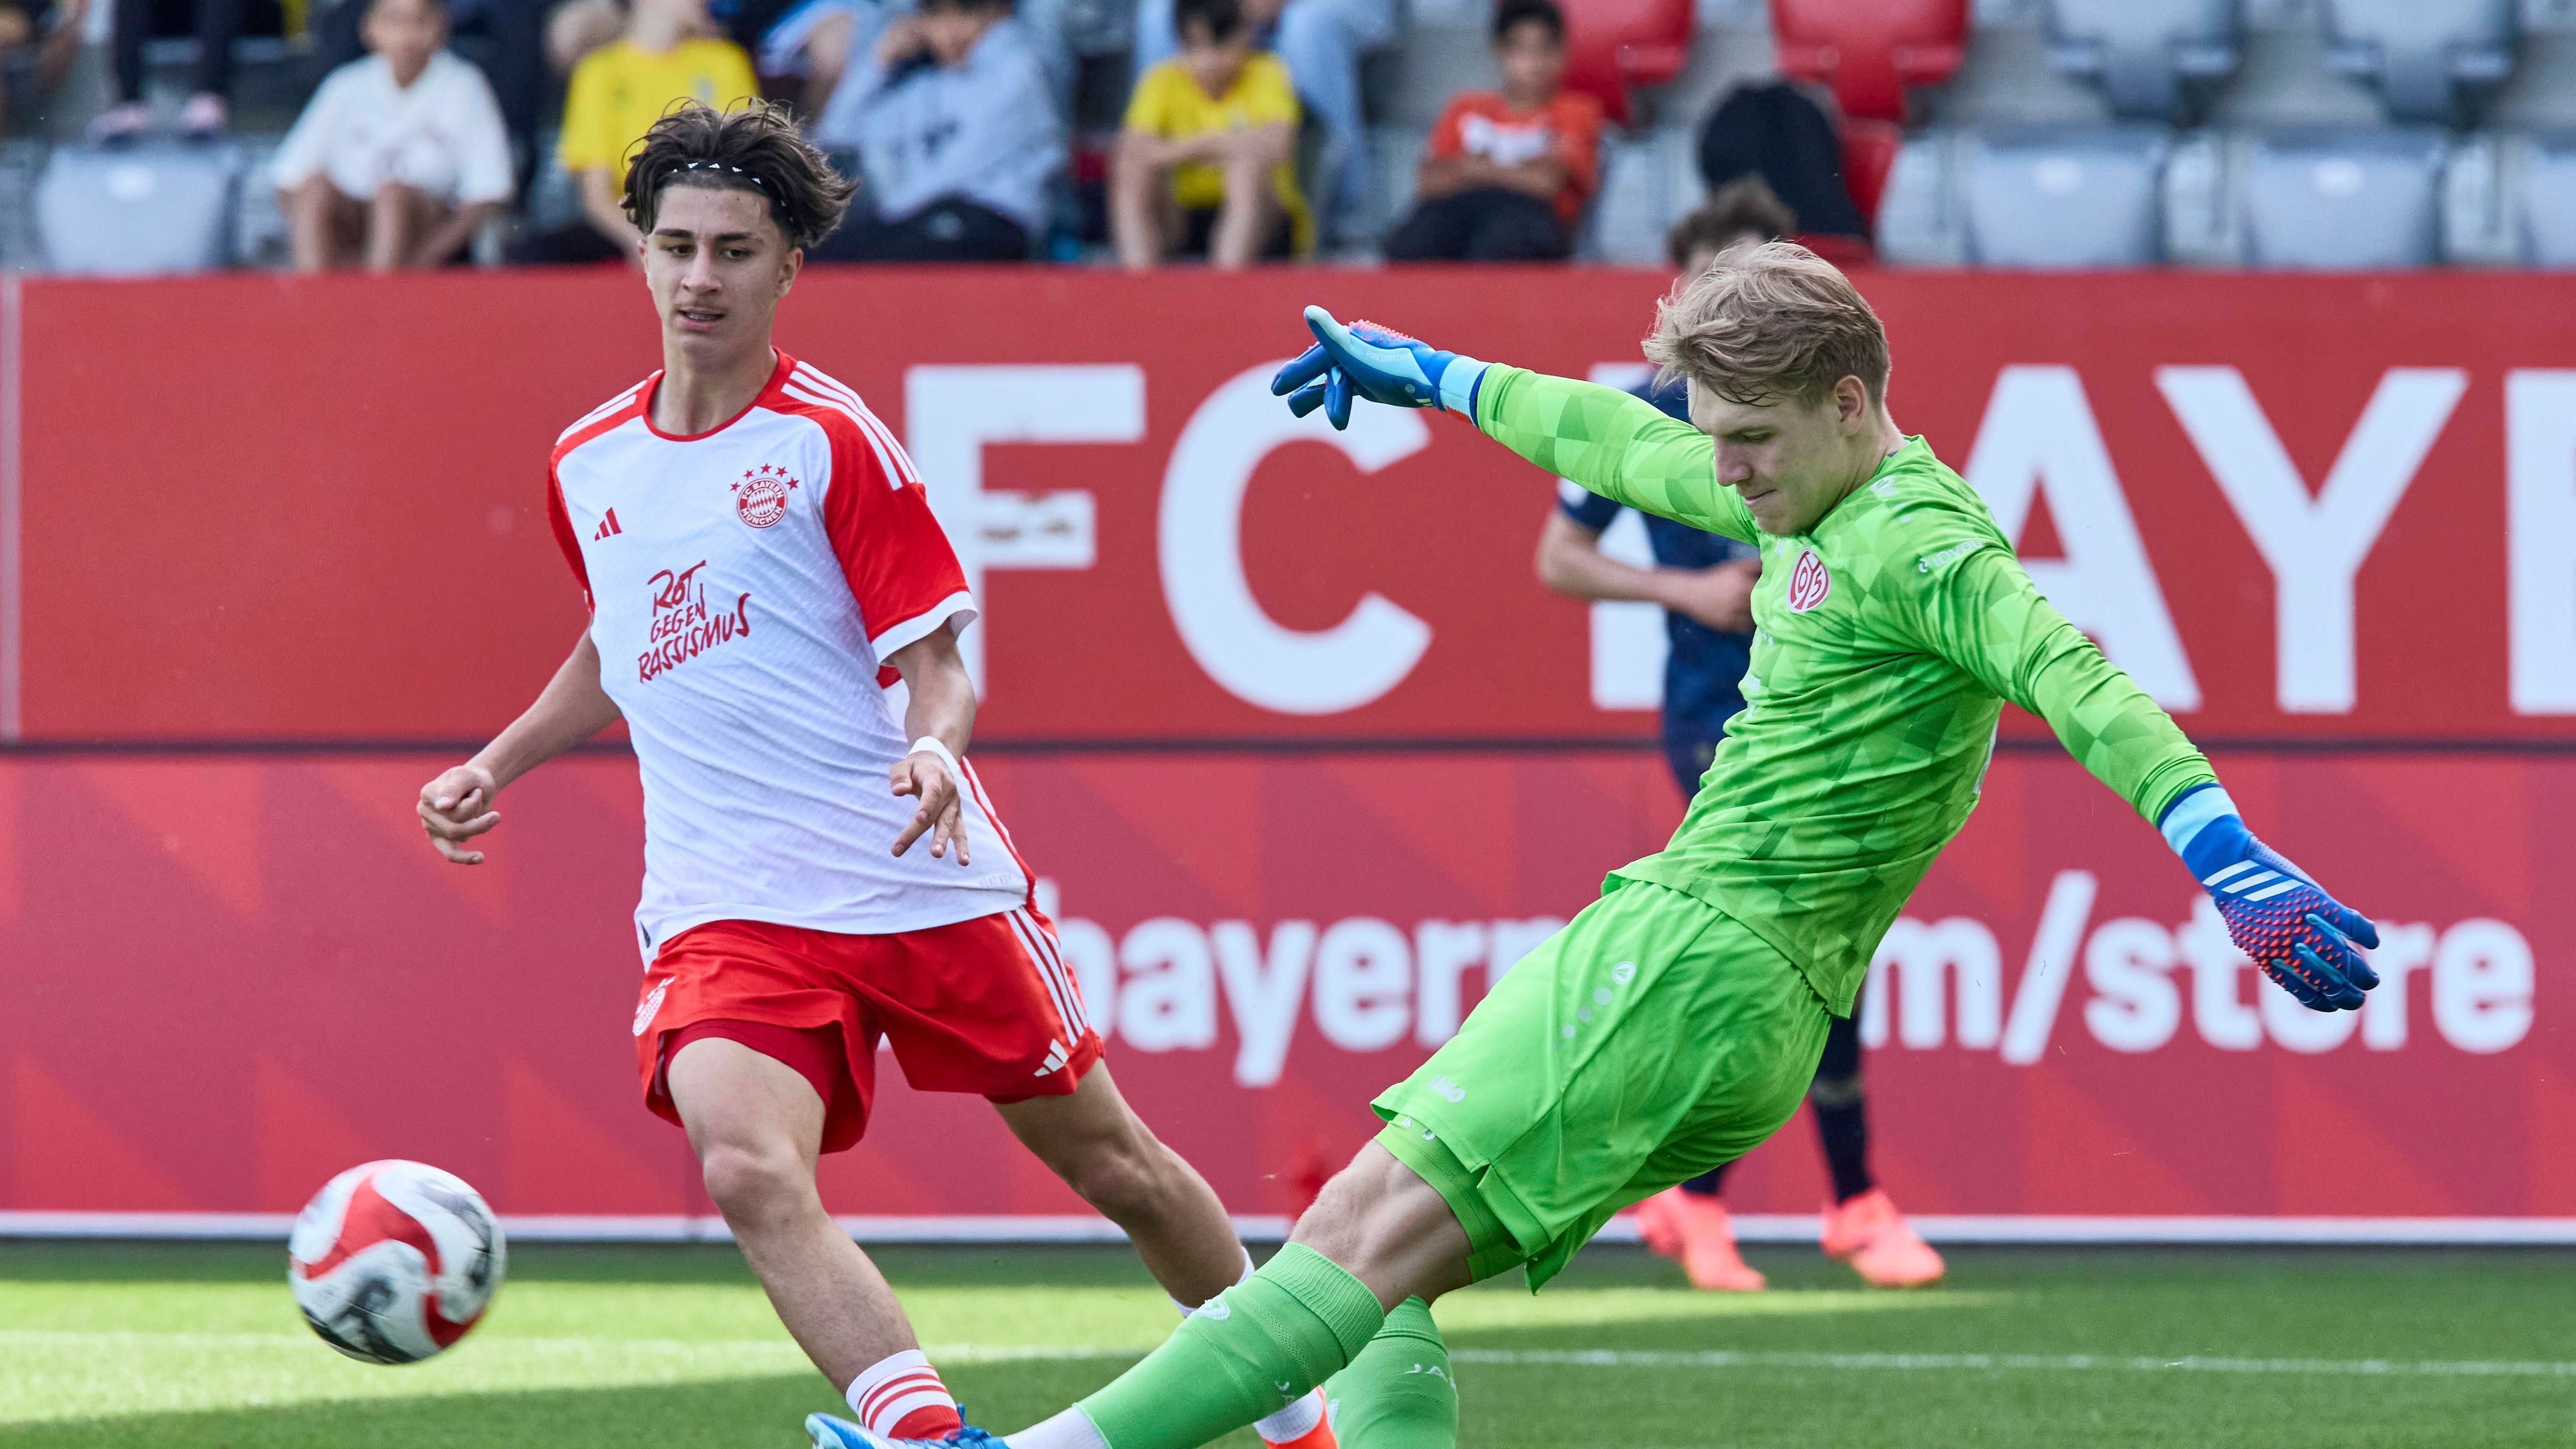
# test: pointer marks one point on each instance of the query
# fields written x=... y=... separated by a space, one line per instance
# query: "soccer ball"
x=392 y=1261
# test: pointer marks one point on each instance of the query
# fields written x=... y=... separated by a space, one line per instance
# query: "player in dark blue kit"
x=1704 y=583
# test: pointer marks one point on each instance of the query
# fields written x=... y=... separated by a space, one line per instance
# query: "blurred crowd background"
x=176 y=135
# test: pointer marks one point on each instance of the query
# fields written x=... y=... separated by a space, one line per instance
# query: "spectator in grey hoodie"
x=956 y=129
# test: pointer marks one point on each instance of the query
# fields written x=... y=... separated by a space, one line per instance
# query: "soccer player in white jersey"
x=774 y=613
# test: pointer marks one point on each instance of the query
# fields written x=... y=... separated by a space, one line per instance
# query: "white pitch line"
x=680 y=1348
x=1994 y=1362
x=1563 y=1358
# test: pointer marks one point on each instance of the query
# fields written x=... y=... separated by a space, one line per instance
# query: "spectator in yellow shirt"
x=617 y=92
x=1205 y=164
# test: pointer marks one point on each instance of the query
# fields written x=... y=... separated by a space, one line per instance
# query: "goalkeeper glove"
x=2303 y=938
x=1375 y=363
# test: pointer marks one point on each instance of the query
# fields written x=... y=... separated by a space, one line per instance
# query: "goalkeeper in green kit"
x=1677 y=1021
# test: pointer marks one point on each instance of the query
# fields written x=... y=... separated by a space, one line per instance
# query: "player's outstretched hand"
x=2302 y=938
x=942 y=812
x=1377 y=363
x=456 y=807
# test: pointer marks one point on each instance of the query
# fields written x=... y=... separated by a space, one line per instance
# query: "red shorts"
x=986 y=1006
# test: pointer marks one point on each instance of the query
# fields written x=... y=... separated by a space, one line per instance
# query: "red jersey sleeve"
x=565 y=538
x=901 y=568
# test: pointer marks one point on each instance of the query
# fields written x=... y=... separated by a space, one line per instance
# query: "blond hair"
x=1769 y=322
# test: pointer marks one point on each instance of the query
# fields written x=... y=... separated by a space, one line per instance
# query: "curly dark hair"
x=754 y=148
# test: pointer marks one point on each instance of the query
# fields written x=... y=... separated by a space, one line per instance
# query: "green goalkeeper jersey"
x=1885 y=642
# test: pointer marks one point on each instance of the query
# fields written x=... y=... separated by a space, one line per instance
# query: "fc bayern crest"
x=1808 y=583
x=761 y=496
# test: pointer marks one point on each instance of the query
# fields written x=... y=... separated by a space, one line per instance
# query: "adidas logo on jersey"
x=607 y=527
x=1056 y=1057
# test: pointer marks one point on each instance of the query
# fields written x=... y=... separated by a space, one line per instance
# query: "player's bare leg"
x=1388 y=1228
x=1104 y=1152
x=1378 y=1244
x=757 y=1127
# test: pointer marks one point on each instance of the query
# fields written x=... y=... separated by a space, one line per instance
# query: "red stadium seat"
x=1869 y=152
x=1612 y=45
x=1869 y=51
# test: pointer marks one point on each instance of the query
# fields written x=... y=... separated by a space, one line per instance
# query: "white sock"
x=901 y=1397
x=1189 y=1308
x=1291 y=1423
x=1071 y=1429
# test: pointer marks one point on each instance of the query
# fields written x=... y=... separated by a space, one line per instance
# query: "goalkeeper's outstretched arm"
x=1611 y=442
x=1982 y=613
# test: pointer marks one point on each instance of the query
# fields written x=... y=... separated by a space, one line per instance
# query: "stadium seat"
x=259 y=221
x=1869 y=51
x=1918 y=219
x=2421 y=52
x=1869 y=152
x=2549 y=202
x=1612 y=45
x=21 y=162
x=2344 y=201
x=1646 y=183
x=131 y=212
x=2049 y=198
x=2147 y=53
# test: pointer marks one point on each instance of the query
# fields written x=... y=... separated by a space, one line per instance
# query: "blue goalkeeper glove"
x=2301 y=937
x=1376 y=363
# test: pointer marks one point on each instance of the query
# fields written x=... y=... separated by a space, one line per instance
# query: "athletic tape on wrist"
x=1458 y=386
x=933 y=745
x=2194 y=812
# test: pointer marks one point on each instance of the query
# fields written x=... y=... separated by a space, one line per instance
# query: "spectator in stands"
x=1205 y=162
x=218 y=23
x=575 y=28
x=1321 y=42
x=49 y=28
x=512 y=59
x=956 y=129
x=1508 y=173
x=400 y=158
x=809 y=40
x=618 y=91
x=813 y=41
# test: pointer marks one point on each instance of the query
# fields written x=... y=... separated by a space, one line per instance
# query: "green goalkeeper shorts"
x=1652 y=1039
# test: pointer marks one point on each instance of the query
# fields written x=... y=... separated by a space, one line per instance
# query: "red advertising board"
x=229 y=979
x=1303 y=749
x=253 y=507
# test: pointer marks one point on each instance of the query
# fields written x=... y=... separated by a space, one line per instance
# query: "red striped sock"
x=901 y=1397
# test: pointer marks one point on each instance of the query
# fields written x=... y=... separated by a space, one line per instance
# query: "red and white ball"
x=392 y=1261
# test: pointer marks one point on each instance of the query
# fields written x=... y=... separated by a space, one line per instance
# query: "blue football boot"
x=828 y=1432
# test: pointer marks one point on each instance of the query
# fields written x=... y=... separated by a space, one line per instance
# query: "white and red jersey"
x=746 y=586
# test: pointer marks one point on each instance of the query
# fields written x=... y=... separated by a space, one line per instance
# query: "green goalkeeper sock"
x=1398 y=1394
x=1263 y=1343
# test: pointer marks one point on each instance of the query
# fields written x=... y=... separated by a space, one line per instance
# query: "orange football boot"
x=1693 y=1229
x=1871 y=1235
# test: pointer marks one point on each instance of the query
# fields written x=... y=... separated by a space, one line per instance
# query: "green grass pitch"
x=674 y=1348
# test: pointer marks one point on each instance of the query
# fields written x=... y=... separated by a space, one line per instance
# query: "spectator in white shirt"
x=401 y=157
